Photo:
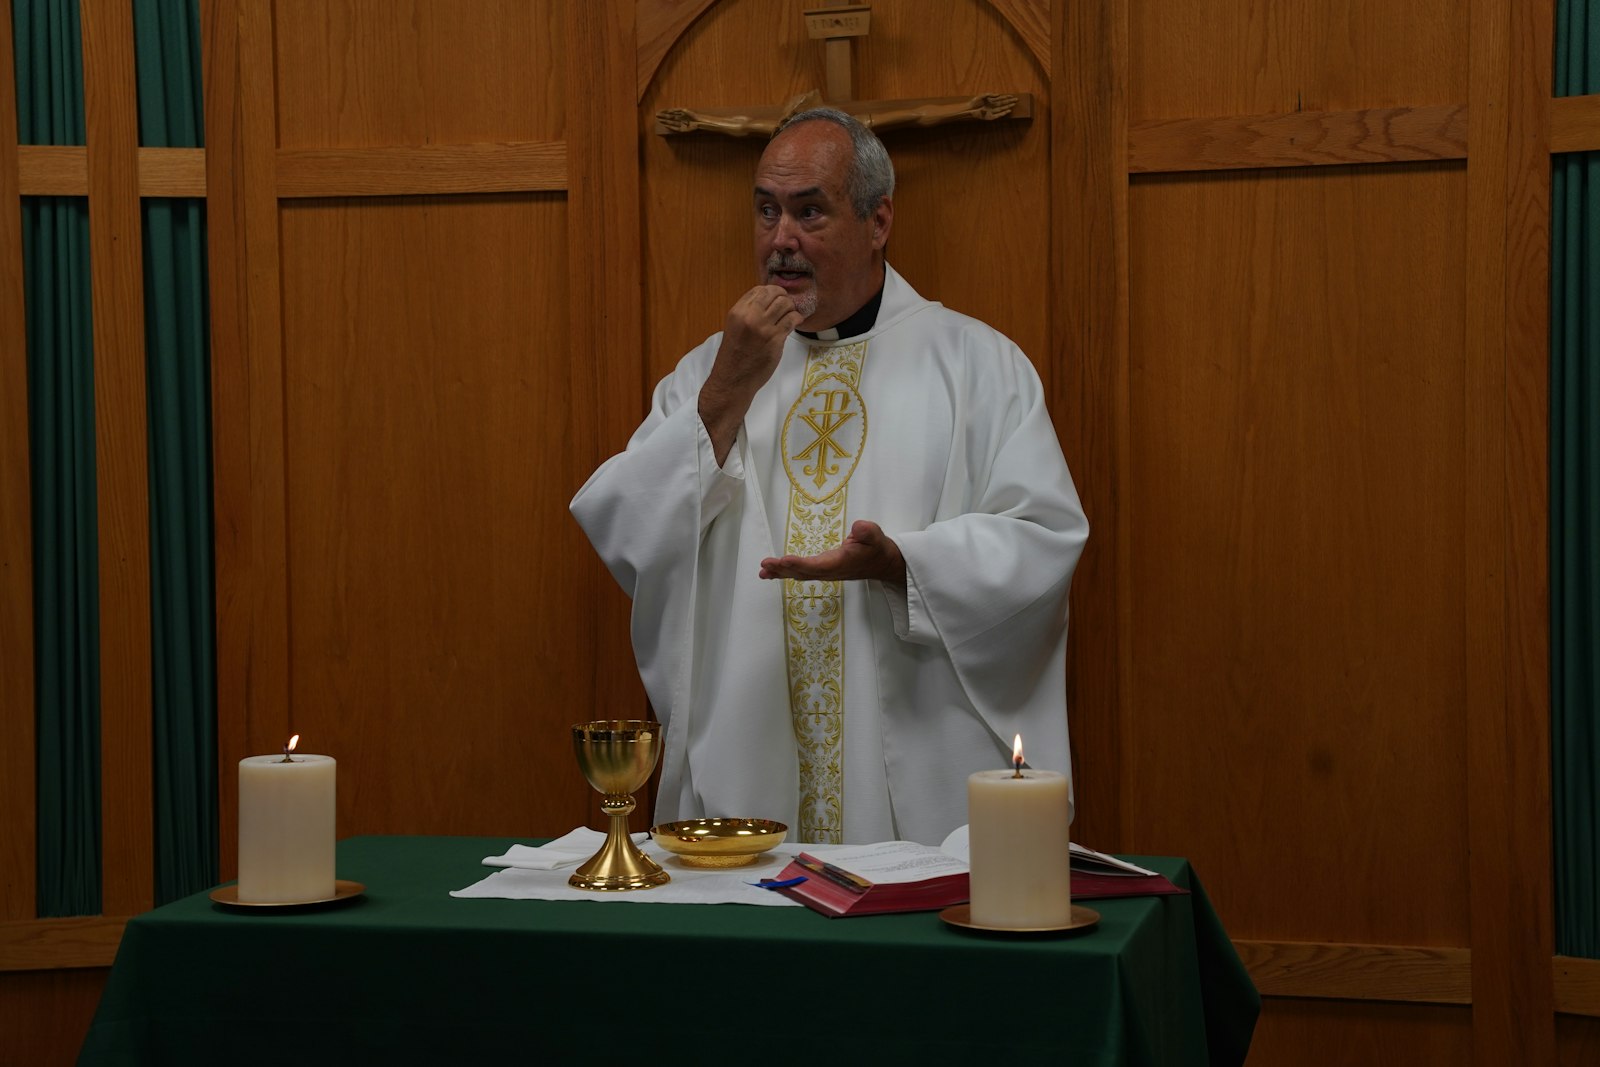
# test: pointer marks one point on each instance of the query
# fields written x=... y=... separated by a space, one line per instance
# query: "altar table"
x=407 y=974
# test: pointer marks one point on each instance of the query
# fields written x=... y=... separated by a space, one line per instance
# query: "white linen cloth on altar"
x=533 y=873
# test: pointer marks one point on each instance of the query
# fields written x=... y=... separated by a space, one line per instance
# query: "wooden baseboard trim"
x=56 y=944
x=1359 y=972
x=1398 y=973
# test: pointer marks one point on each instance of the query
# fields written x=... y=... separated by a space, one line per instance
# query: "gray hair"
x=871 y=178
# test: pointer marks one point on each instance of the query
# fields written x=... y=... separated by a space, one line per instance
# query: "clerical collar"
x=862 y=321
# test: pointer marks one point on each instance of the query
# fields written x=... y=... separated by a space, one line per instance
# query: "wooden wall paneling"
x=1299 y=139
x=960 y=187
x=1359 y=972
x=1089 y=331
x=1296 y=555
x=172 y=172
x=47 y=944
x=53 y=170
x=661 y=22
x=1577 y=985
x=407 y=170
x=388 y=74
x=252 y=625
x=1236 y=57
x=657 y=26
x=1523 y=724
x=121 y=472
x=45 y=1015
x=17 y=756
x=440 y=648
x=605 y=308
x=1507 y=704
x=439 y=637
x=1332 y=1033
x=1032 y=23
x=1577 y=1041
x=1575 y=123
x=63 y=170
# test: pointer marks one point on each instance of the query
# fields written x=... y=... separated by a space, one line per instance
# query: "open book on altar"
x=874 y=879
x=896 y=876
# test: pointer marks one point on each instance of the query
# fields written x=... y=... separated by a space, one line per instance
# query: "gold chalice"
x=617 y=756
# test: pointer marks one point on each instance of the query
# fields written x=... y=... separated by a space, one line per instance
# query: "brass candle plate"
x=228 y=897
x=1083 y=920
x=719 y=842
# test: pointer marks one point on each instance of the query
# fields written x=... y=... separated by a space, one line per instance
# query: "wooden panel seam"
x=251 y=594
x=610 y=380
x=116 y=269
x=657 y=26
x=58 y=944
x=1030 y=19
x=18 y=844
x=1509 y=886
x=1089 y=221
x=1575 y=124
x=1299 y=139
x=404 y=170
x=1429 y=975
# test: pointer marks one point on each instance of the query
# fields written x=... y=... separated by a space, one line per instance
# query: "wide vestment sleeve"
x=983 y=629
x=676 y=530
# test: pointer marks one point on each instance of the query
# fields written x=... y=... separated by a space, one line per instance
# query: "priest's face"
x=809 y=241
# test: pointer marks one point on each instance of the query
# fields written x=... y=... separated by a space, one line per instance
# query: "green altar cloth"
x=408 y=974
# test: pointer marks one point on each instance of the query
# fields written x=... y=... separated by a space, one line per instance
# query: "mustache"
x=778 y=261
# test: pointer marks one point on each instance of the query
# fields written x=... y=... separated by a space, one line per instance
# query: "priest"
x=847 y=530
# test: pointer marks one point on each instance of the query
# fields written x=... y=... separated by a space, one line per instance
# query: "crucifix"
x=836 y=26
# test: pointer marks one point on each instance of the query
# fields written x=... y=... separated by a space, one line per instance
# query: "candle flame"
x=293 y=741
x=1016 y=751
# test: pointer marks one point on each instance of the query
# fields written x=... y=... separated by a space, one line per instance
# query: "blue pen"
x=769 y=883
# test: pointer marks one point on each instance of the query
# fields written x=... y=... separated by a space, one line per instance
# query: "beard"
x=805 y=302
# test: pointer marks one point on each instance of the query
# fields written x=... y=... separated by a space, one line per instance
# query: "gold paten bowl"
x=719 y=842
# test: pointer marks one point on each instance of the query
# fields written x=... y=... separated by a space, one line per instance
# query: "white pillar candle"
x=286 y=829
x=1018 y=841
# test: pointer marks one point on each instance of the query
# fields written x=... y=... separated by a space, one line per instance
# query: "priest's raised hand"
x=866 y=553
x=752 y=343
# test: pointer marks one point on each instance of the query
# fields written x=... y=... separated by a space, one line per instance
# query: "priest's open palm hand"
x=867 y=552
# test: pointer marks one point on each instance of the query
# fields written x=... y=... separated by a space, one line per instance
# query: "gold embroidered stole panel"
x=823 y=438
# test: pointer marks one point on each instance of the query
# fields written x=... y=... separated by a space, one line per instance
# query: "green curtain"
x=183 y=644
x=1575 y=499
x=55 y=255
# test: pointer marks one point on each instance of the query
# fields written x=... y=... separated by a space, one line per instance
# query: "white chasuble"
x=849 y=711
